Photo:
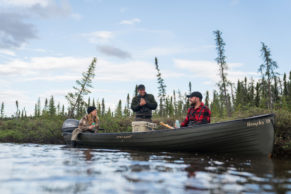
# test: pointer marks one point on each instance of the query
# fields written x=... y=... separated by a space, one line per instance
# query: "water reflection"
x=56 y=169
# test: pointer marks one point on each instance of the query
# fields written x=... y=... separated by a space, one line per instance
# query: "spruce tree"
x=52 y=108
x=127 y=107
x=93 y=103
x=17 y=109
x=63 y=110
x=221 y=61
x=207 y=99
x=215 y=105
x=275 y=91
x=175 y=103
x=103 y=107
x=161 y=87
x=45 y=109
x=35 y=110
x=251 y=93
x=267 y=69
x=285 y=85
x=190 y=87
x=257 y=98
x=38 y=108
x=58 y=109
x=289 y=92
x=135 y=91
x=76 y=98
x=98 y=107
x=89 y=102
x=2 y=110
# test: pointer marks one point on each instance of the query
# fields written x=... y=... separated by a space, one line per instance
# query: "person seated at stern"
x=198 y=113
x=143 y=104
x=90 y=122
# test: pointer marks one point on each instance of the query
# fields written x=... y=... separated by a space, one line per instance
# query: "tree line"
x=271 y=91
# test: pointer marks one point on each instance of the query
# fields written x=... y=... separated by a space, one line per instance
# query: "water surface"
x=33 y=168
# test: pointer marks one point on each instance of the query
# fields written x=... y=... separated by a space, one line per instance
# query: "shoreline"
x=43 y=130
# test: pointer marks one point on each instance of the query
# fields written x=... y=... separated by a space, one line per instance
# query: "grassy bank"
x=48 y=130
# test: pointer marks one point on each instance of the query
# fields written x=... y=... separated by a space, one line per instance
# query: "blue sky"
x=45 y=45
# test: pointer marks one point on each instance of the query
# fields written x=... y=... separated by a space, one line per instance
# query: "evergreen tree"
x=251 y=92
x=52 y=108
x=118 y=111
x=175 y=103
x=38 y=108
x=127 y=107
x=190 y=87
x=161 y=87
x=170 y=107
x=76 y=99
x=17 y=109
x=207 y=99
x=180 y=105
x=267 y=70
x=109 y=113
x=239 y=95
x=45 y=109
x=35 y=110
x=275 y=91
x=289 y=92
x=224 y=83
x=103 y=107
x=89 y=103
x=63 y=110
x=257 y=98
x=58 y=109
x=2 y=110
x=135 y=90
x=99 y=107
x=215 y=105
x=93 y=103
x=285 y=85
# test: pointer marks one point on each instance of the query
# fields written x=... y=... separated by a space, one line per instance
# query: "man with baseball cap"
x=143 y=104
x=198 y=113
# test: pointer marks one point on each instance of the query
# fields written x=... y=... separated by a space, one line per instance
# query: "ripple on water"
x=54 y=168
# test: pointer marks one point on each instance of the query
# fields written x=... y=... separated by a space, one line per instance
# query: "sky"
x=45 y=45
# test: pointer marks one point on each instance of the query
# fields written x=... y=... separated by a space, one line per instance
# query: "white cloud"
x=163 y=51
x=25 y=3
x=39 y=64
x=7 y=52
x=210 y=70
x=123 y=10
x=70 y=68
x=131 y=21
x=98 y=36
x=76 y=16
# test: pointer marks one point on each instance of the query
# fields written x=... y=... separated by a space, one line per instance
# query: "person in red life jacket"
x=198 y=113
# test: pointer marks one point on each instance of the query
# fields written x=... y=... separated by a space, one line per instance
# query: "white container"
x=143 y=126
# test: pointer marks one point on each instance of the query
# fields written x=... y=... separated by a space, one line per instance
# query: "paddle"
x=166 y=125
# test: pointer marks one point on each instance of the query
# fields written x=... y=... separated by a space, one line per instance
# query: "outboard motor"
x=69 y=125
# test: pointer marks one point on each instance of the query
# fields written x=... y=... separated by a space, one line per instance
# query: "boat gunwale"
x=177 y=129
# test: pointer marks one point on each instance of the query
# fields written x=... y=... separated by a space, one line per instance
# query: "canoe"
x=253 y=135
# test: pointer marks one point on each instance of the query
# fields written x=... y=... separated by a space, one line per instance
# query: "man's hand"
x=142 y=102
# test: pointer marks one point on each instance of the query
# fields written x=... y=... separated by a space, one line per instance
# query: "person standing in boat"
x=143 y=104
x=90 y=122
x=198 y=113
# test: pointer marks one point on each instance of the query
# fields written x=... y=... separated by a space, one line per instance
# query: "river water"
x=34 y=168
